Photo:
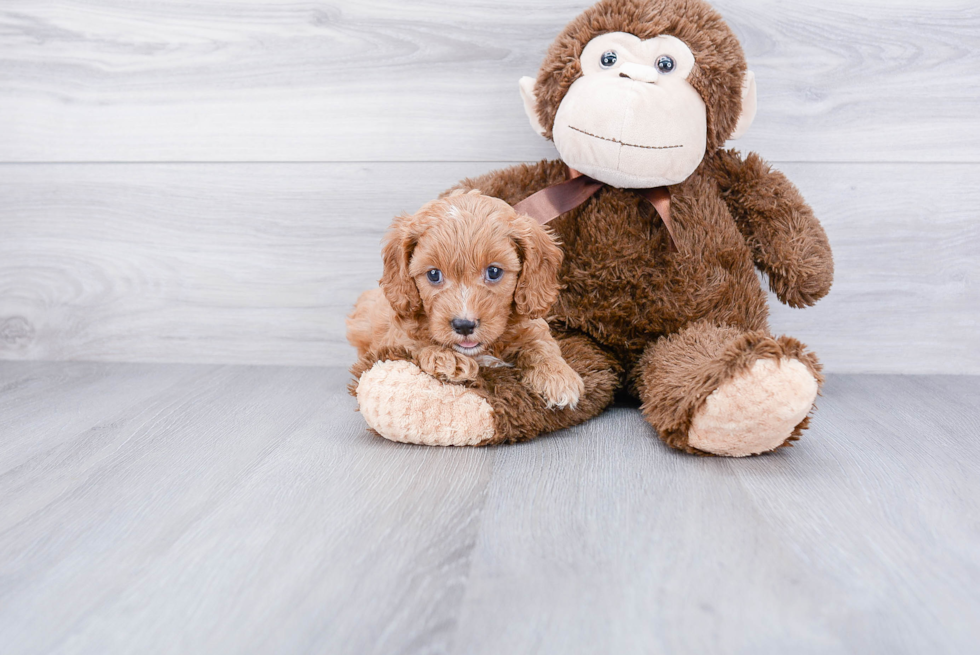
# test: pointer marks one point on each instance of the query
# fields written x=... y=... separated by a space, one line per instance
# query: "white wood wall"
x=208 y=180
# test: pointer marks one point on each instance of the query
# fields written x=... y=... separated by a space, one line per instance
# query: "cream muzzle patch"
x=633 y=120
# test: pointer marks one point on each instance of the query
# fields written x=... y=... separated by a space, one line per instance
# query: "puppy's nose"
x=462 y=326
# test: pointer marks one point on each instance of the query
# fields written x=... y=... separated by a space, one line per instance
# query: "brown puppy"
x=466 y=282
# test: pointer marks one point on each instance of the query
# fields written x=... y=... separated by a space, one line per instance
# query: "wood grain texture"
x=906 y=294
x=247 y=510
x=259 y=263
x=224 y=80
x=832 y=546
x=217 y=263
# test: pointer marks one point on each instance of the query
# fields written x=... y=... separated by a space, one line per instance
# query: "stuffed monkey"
x=662 y=231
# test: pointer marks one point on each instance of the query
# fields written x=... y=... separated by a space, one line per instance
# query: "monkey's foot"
x=756 y=411
x=401 y=403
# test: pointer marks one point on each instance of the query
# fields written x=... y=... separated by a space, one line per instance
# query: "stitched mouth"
x=622 y=143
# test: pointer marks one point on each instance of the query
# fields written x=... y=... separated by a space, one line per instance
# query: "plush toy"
x=662 y=231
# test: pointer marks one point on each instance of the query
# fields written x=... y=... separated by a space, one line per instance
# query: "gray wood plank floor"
x=216 y=509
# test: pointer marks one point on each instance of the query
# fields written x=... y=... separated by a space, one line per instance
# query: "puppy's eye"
x=665 y=64
x=608 y=59
x=494 y=273
x=434 y=276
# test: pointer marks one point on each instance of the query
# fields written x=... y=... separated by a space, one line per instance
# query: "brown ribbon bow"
x=551 y=202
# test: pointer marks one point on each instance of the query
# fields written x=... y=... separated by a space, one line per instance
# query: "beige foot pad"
x=756 y=411
x=404 y=404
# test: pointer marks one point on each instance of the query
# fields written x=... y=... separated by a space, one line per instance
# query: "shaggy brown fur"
x=460 y=238
x=521 y=415
x=669 y=327
x=676 y=375
x=628 y=292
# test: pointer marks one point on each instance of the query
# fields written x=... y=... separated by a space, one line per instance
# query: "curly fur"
x=410 y=317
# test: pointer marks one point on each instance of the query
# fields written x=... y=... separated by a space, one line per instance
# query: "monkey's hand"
x=447 y=364
x=787 y=241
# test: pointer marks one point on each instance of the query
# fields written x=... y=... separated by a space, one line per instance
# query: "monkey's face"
x=635 y=92
x=632 y=119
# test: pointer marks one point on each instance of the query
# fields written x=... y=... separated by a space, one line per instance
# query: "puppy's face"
x=466 y=270
x=465 y=265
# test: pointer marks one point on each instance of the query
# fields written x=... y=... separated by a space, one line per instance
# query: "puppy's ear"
x=537 y=286
x=396 y=283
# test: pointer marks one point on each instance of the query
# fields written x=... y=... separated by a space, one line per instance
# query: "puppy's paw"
x=466 y=369
x=557 y=383
x=447 y=364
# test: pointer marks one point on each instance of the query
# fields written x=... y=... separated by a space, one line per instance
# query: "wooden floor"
x=221 y=509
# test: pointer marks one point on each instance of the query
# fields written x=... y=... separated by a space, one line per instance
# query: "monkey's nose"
x=463 y=326
x=638 y=72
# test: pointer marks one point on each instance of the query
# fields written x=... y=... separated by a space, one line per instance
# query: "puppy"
x=467 y=281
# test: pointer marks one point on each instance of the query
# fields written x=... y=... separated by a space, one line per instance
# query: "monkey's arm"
x=516 y=183
x=787 y=241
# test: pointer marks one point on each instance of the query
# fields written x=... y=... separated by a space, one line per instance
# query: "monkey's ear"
x=750 y=103
x=396 y=283
x=531 y=104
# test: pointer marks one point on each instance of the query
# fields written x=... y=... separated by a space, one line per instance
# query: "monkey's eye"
x=665 y=65
x=434 y=276
x=608 y=59
x=494 y=273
